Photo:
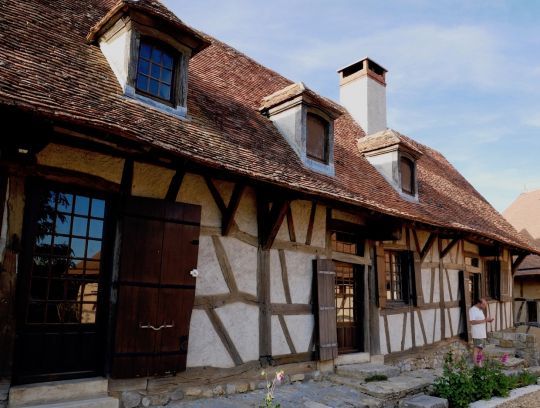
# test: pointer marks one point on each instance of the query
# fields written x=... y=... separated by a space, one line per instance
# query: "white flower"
x=194 y=273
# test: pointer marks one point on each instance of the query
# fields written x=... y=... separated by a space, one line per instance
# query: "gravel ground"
x=527 y=401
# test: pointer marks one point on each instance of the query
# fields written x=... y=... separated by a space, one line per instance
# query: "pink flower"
x=504 y=358
x=479 y=358
x=280 y=375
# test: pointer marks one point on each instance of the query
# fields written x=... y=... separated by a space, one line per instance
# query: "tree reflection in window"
x=66 y=258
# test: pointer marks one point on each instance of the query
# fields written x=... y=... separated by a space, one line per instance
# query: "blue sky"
x=464 y=76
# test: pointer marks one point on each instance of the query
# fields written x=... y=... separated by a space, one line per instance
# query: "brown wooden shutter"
x=505 y=272
x=155 y=289
x=381 y=275
x=325 y=273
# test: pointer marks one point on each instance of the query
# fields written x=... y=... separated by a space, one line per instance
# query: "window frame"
x=176 y=56
x=326 y=147
x=405 y=263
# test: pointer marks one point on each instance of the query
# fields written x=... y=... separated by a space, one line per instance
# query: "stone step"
x=98 y=402
x=39 y=393
x=514 y=362
x=366 y=370
x=423 y=401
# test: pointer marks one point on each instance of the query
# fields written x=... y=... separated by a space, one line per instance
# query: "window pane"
x=94 y=249
x=65 y=202
x=98 y=208
x=165 y=92
x=142 y=82
x=79 y=226
x=144 y=67
x=154 y=86
x=63 y=223
x=167 y=61
x=77 y=247
x=156 y=55
x=317 y=138
x=145 y=51
x=96 y=228
x=166 y=76
x=155 y=71
x=82 y=205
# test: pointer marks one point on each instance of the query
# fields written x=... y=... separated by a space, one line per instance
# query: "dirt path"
x=531 y=400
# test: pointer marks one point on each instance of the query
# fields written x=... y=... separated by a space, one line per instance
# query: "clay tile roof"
x=299 y=89
x=48 y=68
x=386 y=138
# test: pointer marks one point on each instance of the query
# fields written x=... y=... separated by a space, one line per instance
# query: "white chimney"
x=362 y=90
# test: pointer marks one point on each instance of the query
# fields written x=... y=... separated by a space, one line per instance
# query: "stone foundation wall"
x=427 y=357
x=525 y=340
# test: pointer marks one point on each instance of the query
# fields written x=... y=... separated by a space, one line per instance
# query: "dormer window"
x=317 y=138
x=155 y=71
x=406 y=167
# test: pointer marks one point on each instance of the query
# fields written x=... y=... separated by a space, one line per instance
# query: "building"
x=172 y=207
x=522 y=214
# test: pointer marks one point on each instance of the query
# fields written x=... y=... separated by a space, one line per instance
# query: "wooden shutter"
x=325 y=274
x=505 y=273
x=155 y=289
x=381 y=275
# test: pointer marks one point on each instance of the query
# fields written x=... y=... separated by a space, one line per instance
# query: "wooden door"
x=349 y=307
x=155 y=288
x=61 y=288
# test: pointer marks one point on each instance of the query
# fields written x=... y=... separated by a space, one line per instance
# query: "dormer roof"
x=385 y=140
x=304 y=94
x=161 y=16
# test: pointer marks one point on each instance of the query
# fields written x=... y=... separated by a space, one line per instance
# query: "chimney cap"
x=361 y=60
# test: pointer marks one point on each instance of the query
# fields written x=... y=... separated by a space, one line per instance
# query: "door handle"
x=149 y=326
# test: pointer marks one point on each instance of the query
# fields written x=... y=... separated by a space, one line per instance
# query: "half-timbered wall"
x=225 y=325
x=439 y=314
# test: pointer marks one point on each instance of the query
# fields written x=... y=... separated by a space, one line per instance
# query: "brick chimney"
x=362 y=90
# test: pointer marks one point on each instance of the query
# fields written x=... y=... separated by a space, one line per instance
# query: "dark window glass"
x=67 y=249
x=155 y=71
x=493 y=278
x=407 y=175
x=317 y=138
x=397 y=275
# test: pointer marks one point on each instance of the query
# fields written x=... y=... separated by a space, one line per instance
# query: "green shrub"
x=490 y=381
x=456 y=383
x=525 y=378
x=376 y=377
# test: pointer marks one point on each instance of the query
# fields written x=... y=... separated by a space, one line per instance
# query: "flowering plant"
x=270 y=388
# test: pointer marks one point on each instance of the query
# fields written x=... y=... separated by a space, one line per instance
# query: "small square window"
x=155 y=71
x=317 y=138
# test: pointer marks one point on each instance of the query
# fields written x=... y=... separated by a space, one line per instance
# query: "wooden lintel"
x=276 y=215
x=228 y=217
x=518 y=261
x=215 y=194
x=428 y=245
x=449 y=247
x=291 y=309
x=174 y=186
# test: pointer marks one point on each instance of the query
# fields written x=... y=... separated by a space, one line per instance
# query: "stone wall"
x=524 y=339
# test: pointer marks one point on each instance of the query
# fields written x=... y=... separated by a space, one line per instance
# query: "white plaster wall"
x=301 y=330
x=432 y=327
x=395 y=327
x=115 y=49
x=107 y=167
x=436 y=289
x=205 y=347
x=246 y=214
x=300 y=273
x=426 y=284
x=277 y=292
x=225 y=189
x=283 y=232
x=243 y=260
x=210 y=280
x=195 y=191
x=508 y=309
x=453 y=275
x=300 y=210
x=242 y=323
x=418 y=337
x=279 y=342
x=150 y=181
x=382 y=336
x=454 y=315
x=408 y=333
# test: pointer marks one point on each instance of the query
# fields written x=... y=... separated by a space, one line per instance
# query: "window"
x=398 y=268
x=155 y=71
x=493 y=279
x=407 y=175
x=317 y=138
x=474 y=287
x=347 y=244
